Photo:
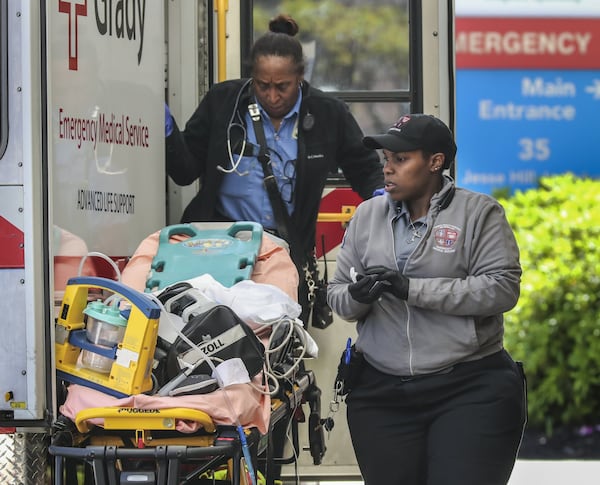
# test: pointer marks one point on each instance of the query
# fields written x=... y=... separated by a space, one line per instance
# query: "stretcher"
x=113 y=427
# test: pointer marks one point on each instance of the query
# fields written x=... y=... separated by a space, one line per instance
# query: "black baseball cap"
x=416 y=132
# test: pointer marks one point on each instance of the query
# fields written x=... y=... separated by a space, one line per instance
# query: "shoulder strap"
x=280 y=212
x=325 y=279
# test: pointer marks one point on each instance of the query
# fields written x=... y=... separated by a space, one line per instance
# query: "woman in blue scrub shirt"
x=309 y=134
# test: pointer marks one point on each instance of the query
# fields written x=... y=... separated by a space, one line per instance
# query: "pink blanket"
x=251 y=407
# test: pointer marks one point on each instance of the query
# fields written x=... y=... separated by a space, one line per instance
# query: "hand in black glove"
x=367 y=289
x=397 y=283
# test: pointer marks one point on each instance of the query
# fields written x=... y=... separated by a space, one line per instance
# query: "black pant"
x=463 y=427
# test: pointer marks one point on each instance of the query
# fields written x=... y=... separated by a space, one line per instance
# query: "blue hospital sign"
x=515 y=124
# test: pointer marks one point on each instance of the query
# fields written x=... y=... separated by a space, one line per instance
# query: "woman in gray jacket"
x=427 y=271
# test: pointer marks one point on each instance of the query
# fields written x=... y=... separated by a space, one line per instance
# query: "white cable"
x=295 y=329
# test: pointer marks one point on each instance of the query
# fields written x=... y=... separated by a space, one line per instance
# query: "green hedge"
x=555 y=327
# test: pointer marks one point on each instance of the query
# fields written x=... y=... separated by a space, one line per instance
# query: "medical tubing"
x=113 y=300
x=205 y=357
x=103 y=256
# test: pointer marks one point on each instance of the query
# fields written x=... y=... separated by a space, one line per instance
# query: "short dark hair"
x=280 y=41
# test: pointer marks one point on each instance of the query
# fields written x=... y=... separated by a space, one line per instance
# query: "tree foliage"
x=555 y=327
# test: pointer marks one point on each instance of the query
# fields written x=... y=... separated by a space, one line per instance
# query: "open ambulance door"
x=81 y=172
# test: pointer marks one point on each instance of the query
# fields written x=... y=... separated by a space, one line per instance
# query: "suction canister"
x=105 y=327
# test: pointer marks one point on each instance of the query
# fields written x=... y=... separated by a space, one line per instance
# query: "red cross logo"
x=80 y=8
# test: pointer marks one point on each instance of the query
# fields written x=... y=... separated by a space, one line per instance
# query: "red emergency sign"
x=532 y=43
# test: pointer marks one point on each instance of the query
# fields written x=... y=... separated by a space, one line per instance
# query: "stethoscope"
x=231 y=125
x=307 y=124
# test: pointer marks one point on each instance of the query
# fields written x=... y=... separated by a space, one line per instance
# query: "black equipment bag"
x=221 y=335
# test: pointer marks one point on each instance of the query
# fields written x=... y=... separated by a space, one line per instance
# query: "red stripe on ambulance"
x=12 y=254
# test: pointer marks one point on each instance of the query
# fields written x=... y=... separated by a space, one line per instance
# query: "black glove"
x=367 y=289
x=397 y=283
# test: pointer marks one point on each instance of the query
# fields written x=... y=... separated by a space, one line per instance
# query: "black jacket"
x=334 y=141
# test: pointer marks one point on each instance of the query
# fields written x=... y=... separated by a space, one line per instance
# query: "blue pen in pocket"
x=349 y=370
x=348 y=352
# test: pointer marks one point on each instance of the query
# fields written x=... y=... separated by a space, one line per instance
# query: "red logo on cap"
x=402 y=121
x=74 y=8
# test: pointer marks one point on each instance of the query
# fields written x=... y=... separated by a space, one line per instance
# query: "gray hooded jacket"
x=464 y=274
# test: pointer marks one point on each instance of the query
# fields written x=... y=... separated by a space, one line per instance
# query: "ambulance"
x=83 y=85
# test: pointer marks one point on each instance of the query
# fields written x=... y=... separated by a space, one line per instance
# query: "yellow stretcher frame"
x=141 y=419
